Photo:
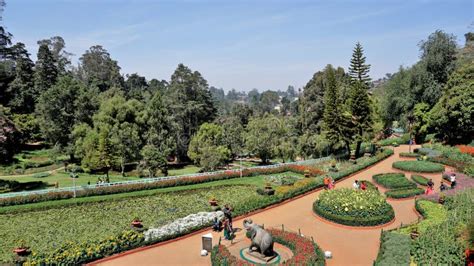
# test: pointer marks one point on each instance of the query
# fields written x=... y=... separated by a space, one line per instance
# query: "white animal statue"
x=262 y=241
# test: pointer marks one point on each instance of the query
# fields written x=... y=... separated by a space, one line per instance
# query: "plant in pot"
x=333 y=167
x=442 y=198
x=137 y=223
x=269 y=189
x=306 y=173
x=22 y=249
x=213 y=201
x=414 y=233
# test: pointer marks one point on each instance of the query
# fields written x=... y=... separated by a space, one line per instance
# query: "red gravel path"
x=349 y=246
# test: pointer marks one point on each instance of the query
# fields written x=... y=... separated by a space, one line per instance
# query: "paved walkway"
x=348 y=246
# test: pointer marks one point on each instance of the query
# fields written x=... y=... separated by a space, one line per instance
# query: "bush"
x=433 y=214
x=14 y=186
x=41 y=175
x=403 y=193
x=393 y=181
x=419 y=166
x=74 y=168
x=421 y=180
x=409 y=154
x=354 y=207
x=305 y=251
x=394 y=249
x=395 y=141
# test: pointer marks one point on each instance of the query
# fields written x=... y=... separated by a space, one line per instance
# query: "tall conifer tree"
x=358 y=69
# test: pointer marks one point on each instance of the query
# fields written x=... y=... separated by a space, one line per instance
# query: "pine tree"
x=46 y=72
x=359 y=106
x=358 y=69
x=21 y=90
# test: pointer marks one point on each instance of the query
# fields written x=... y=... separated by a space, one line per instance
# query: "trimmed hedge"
x=419 y=166
x=409 y=154
x=393 y=181
x=354 y=207
x=421 y=180
x=394 y=249
x=404 y=193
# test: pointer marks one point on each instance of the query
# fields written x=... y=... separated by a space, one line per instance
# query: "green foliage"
x=9 y=136
x=409 y=154
x=359 y=70
x=401 y=140
x=361 y=116
x=21 y=90
x=419 y=166
x=420 y=179
x=433 y=214
x=394 y=249
x=263 y=135
x=393 y=181
x=354 y=207
x=208 y=148
x=46 y=72
x=404 y=192
x=41 y=175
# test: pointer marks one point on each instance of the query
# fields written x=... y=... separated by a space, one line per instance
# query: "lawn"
x=45 y=230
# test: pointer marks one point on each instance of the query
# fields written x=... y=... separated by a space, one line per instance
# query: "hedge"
x=348 y=220
x=305 y=251
x=394 y=249
x=409 y=154
x=419 y=166
x=395 y=141
x=393 y=181
x=421 y=180
x=404 y=192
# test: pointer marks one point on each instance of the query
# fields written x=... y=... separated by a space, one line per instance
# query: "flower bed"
x=354 y=207
x=409 y=154
x=393 y=181
x=404 y=193
x=185 y=180
x=305 y=251
x=394 y=249
x=419 y=166
x=419 y=179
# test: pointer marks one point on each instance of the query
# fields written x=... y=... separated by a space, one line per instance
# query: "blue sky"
x=240 y=44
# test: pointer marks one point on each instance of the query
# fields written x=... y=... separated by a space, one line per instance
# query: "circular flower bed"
x=354 y=207
x=419 y=166
x=305 y=251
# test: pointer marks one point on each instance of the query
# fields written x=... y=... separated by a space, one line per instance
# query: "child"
x=363 y=186
x=326 y=182
x=216 y=225
x=453 y=180
x=443 y=187
x=356 y=184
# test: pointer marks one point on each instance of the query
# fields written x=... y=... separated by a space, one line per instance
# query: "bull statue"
x=262 y=241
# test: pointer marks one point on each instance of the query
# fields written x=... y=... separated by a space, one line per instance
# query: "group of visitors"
x=225 y=223
x=328 y=182
x=359 y=185
x=442 y=187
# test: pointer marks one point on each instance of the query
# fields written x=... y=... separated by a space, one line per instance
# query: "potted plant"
x=414 y=233
x=333 y=167
x=306 y=173
x=442 y=198
x=269 y=189
x=213 y=201
x=22 y=249
x=137 y=223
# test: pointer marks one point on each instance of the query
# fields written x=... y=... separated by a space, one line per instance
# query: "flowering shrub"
x=466 y=149
x=354 y=207
x=305 y=251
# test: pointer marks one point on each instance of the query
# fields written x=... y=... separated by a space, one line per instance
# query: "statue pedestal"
x=257 y=258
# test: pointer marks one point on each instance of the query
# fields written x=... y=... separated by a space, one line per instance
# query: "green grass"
x=186 y=170
x=45 y=230
x=419 y=166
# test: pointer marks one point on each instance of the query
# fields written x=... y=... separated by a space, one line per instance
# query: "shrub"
x=466 y=149
x=421 y=180
x=394 y=249
x=353 y=207
x=41 y=175
x=409 y=154
x=403 y=192
x=418 y=166
x=305 y=251
x=433 y=214
x=395 y=141
x=393 y=181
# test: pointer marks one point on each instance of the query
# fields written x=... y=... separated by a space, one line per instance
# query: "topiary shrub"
x=403 y=193
x=419 y=166
x=393 y=181
x=409 y=154
x=353 y=207
x=421 y=180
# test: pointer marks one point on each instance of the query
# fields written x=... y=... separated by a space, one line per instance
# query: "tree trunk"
x=122 y=164
x=348 y=147
x=359 y=143
x=107 y=179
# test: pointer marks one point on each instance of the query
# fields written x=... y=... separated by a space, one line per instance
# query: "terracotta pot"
x=213 y=202
x=441 y=200
x=414 y=235
x=21 y=251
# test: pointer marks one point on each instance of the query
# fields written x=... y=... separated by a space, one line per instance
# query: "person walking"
x=227 y=229
x=453 y=180
x=356 y=184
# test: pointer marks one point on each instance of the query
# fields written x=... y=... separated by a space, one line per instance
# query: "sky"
x=240 y=44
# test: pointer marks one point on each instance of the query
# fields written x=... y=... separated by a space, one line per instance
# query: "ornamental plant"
x=419 y=166
x=354 y=207
x=421 y=180
x=393 y=181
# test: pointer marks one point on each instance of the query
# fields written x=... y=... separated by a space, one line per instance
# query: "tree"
x=233 y=135
x=56 y=45
x=268 y=101
x=286 y=149
x=190 y=103
x=453 y=115
x=135 y=86
x=358 y=69
x=360 y=108
x=159 y=140
x=312 y=146
x=46 y=72
x=262 y=136
x=21 y=91
x=208 y=148
x=439 y=53
x=9 y=136
x=337 y=119
x=421 y=120
x=97 y=68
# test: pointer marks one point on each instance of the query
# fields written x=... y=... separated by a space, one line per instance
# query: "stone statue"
x=262 y=241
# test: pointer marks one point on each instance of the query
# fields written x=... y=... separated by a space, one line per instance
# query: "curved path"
x=349 y=246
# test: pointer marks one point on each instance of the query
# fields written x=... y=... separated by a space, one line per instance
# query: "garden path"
x=349 y=246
